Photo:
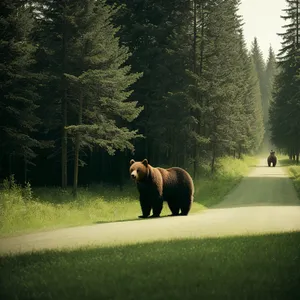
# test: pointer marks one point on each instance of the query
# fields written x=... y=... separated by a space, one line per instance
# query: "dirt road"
x=265 y=201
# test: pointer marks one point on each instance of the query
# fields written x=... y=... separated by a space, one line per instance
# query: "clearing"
x=264 y=202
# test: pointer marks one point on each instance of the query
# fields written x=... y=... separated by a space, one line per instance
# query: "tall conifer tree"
x=83 y=59
x=285 y=109
x=19 y=98
x=271 y=70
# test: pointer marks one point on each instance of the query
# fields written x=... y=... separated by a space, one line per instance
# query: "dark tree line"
x=89 y=84
x=285 y=108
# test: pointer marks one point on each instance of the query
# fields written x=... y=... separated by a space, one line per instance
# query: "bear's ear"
x=132 y=161
x=145 y=162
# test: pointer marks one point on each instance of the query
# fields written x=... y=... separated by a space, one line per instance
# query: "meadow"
x=27 y=209
x=247 y=267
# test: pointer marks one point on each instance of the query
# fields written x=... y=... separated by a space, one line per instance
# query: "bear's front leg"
x=145 y=203
x=157 y=206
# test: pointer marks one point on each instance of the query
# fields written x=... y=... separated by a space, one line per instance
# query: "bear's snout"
x=133 y=174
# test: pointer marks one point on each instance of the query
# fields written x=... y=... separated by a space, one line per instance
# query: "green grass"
x=252 y=267
x=230 y=171
x=24 y=210
x=294 y=172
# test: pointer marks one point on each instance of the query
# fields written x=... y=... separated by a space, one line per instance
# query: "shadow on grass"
x=248 y=267
x=288 y=162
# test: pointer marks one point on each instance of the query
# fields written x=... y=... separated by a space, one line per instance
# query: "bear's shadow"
x=128 y=220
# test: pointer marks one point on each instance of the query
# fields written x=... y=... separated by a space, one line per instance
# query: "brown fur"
x=272 y=159
x=156 y=185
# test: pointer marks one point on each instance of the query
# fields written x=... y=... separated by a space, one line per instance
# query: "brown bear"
x=155 y=185
x=272 y=159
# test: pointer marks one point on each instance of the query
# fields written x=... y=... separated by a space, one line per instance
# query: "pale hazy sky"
x=262 y=19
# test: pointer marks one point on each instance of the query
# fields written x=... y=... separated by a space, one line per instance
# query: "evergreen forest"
x=86 y=85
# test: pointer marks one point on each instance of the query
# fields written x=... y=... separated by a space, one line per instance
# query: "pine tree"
x=101 y=89
x=19 y=98
x=258 y=124
x=82 y=57
x=221 y=72
x=271 y=70
x=260 y=68
x=54 y=35
x=153 y=31
x=243 y=132
x=285 y=108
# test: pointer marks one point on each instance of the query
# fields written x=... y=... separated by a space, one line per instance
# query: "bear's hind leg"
x=186 y=207
x=174 y=207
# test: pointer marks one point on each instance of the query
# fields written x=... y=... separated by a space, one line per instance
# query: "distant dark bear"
x=272 y=159
x=155 y=185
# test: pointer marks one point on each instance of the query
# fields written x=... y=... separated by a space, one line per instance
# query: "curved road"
x=264 y=202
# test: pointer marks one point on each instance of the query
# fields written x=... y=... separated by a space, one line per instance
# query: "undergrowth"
x=25 y=209
x=294 y=172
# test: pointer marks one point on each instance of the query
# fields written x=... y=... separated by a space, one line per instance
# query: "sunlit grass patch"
x=249 y=267
x=229 y=172
x=44 y=212
x=24 y=210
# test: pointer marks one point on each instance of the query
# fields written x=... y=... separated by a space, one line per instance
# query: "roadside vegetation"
x=26 y=209
x=293 y=168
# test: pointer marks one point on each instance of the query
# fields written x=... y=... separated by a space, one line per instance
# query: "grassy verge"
x=24 y=210
x=230 y=171
x=255 y=267
x=294 y=172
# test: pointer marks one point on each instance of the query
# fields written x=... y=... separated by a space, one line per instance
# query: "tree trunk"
x=76 y=160
x=103 y=166
x=77 y=149
x=90 y=167
x=201 y=58
x=240 y=152
x=297 y=24
x=64 y=146
x=10 y=159
x=195 y=70
x=184 y=156
x=64 y=112
x=213 y=160
x=122 y=166
x=25 y=169
x=146 y=143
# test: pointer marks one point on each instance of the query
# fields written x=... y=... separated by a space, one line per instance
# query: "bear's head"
x=138 y=170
